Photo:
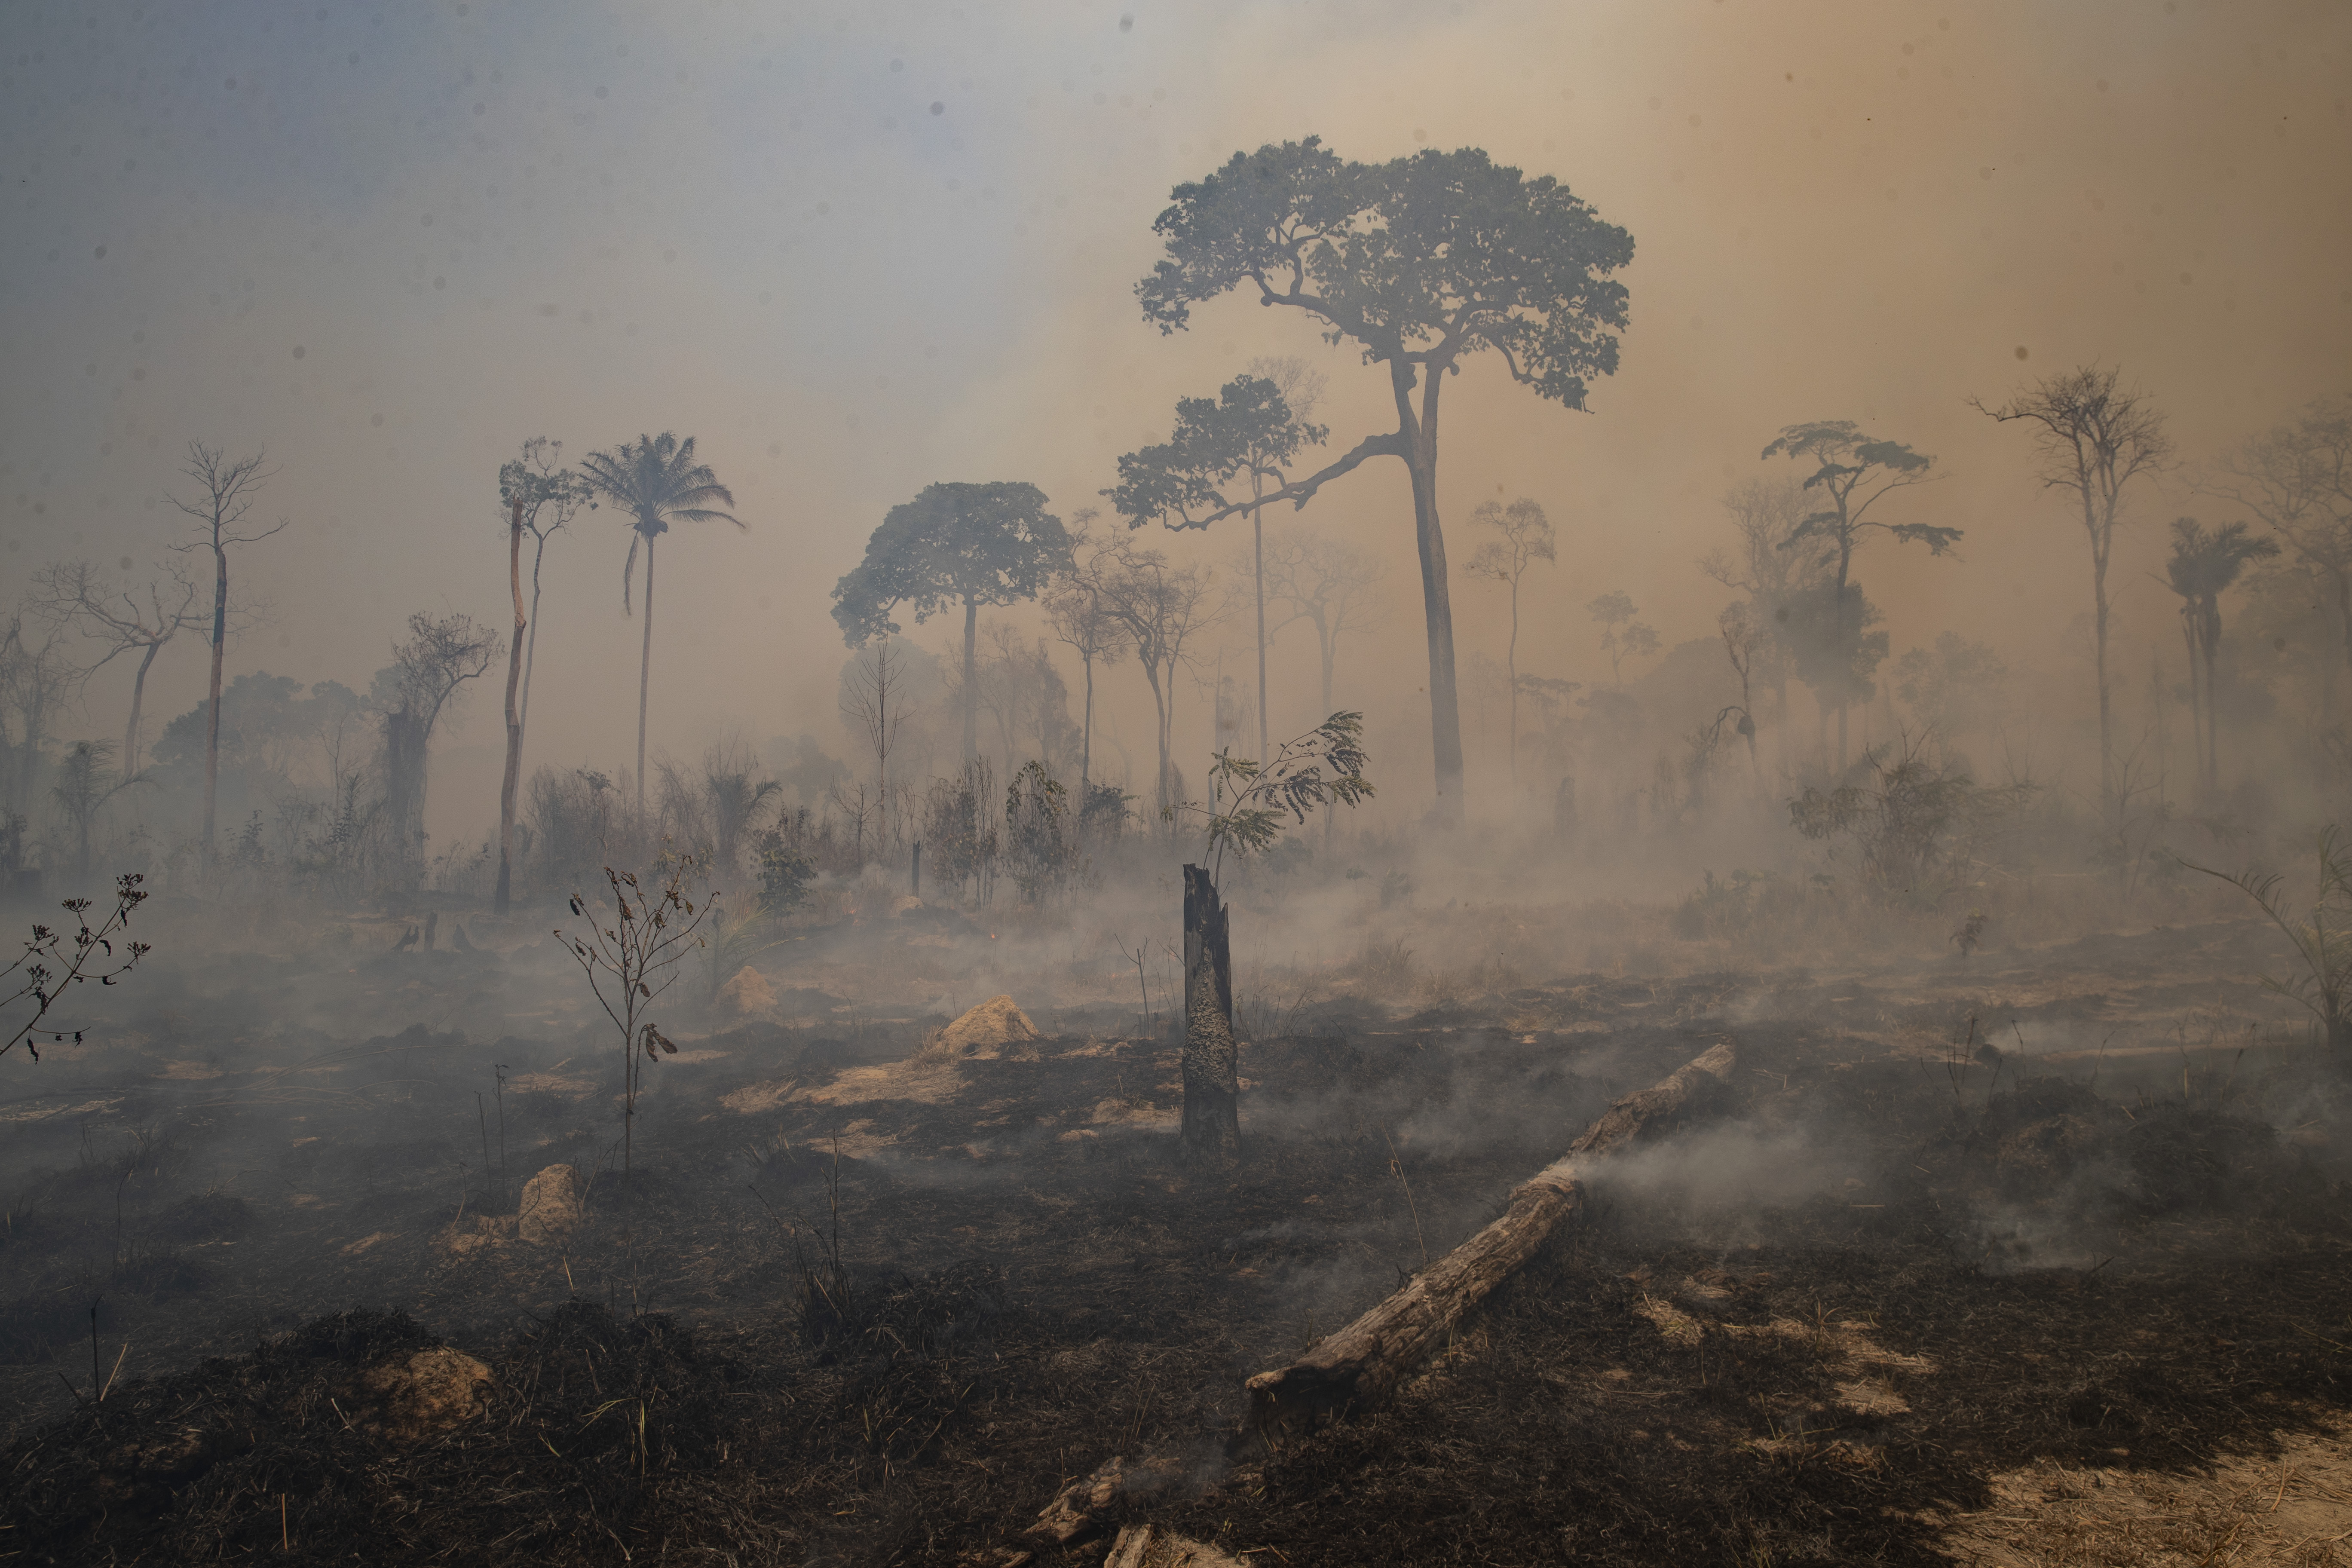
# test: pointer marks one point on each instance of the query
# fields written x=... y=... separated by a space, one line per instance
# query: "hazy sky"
x=854 y=249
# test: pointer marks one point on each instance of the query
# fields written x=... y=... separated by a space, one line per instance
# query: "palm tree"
x=656 y=481
x=2202 y=565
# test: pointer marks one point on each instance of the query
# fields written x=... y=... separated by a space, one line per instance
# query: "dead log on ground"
x=1363 y=1364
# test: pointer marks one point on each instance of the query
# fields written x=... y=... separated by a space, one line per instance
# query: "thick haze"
x=857 y=250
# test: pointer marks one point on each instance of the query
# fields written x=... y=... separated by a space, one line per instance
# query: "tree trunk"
x=213 y=698
x=404 y=790
x=2106 y=713
x=1511 y=672
x=1087 y=739
x=1363 y=1364
x=1437 y=599
x=1257 y=545
x=1211 y=1128
x=530 y=644
x=645 y=678
x=512 y=778
x=138 y=698
x=970 y=680
x=1837 y=634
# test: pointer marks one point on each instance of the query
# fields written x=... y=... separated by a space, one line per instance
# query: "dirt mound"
x=984 y=1031
x=747 y=992
x=549 y=1209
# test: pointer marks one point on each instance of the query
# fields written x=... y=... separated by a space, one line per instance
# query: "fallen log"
x=1362 y=1365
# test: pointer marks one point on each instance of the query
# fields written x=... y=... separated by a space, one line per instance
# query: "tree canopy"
x=953 y=545
x=1247 y=431
x=656 y=481
x=1422 y=261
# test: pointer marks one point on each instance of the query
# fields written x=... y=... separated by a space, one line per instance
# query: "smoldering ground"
x=891 y=1302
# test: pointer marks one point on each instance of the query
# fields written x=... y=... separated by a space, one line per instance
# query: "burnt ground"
x=852 y=1306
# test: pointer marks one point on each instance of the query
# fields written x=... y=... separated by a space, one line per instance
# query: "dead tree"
x=1363 y=1364
x=77 y=592
x=1213 y=1092
x=1321 y=769
x=229 y=486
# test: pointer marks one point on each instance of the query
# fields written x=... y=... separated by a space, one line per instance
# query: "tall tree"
x=2093 y=437
x=2203 y=566
x=1423 y=263
x=226 y=487
x=77 y=592
x=656 y=480
x=1162 y=607
x=1075 y=610
x=440 y=655
x=540 y=498
x=1526 y=538
x=873 y=701
x=1249 y=433
x=969 y=544
x=2296 y=480
x=1851 y=473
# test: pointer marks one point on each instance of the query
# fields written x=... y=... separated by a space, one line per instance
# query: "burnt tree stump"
x=1212 y=1127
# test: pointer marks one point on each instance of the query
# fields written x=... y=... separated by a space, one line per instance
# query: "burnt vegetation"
x=1752 y=1101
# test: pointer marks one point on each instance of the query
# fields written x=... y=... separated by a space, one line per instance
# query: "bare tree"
x=2095 y=437
x=540 y=498
x=2298 y=480
x=438 y=658
x=227 y=487
x=1162 y=607
x=1076 y=609
x=1327 y=583
x=1527 y=538
x=873 y=698
x=77 y=592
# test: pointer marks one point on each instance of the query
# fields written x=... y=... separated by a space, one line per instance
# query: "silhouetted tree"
x=1247 y=432
x=655 y=481
x=2202 y=567
x=1162 y=607
x=971 y=544
x=1768 y=566
x=439 y=656
x=227 y=487
x=2296 y=479
x=1422 y=262
x=539 y=498
x=1853 y=473
x=1075 y=610
x=2094 y=437
x=80 y=594
x=1527 y=538
x=1614 y=609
